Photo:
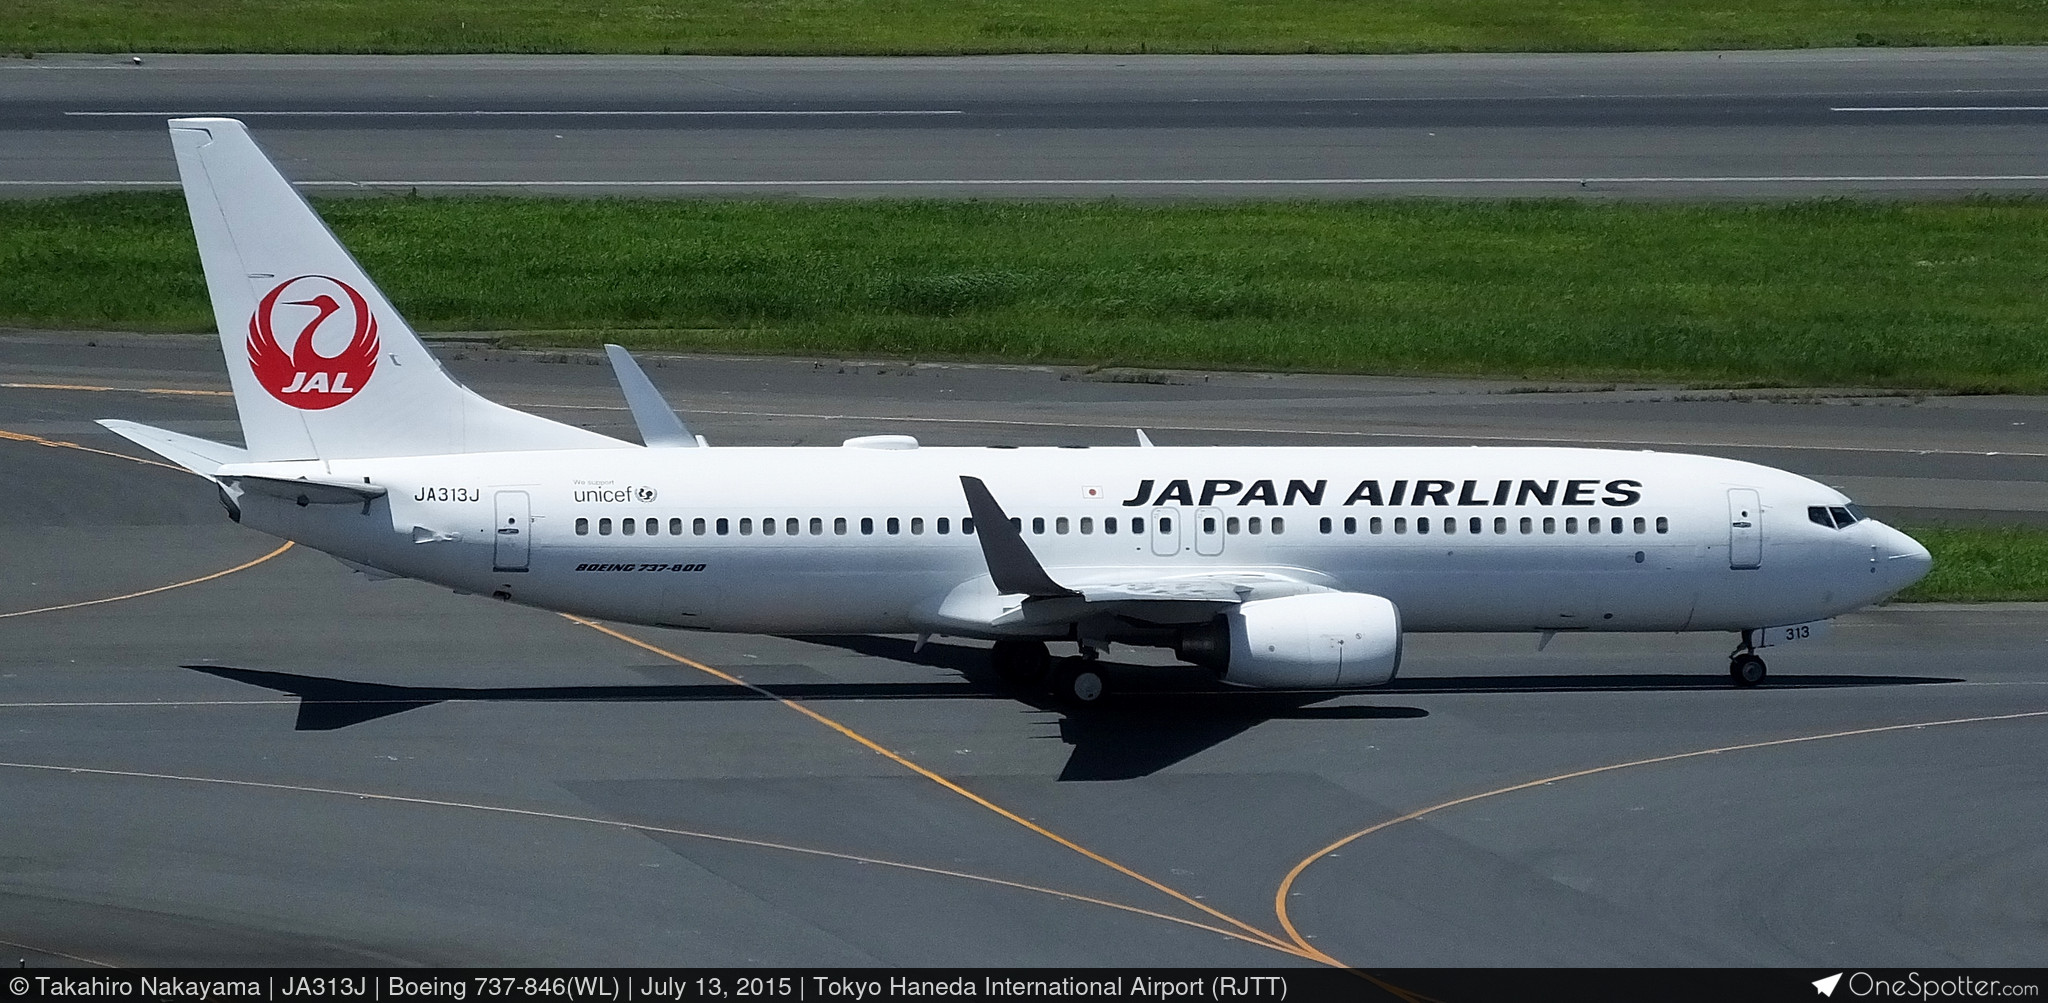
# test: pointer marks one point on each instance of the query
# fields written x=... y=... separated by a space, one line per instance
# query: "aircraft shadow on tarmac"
x=1159 y=717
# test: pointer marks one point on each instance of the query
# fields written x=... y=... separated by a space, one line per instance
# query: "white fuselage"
x=865 y=540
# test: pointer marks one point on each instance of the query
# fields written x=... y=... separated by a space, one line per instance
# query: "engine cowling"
x=1315 y=641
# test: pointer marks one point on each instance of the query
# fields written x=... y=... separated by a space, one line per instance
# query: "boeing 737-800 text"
x=1269 y=567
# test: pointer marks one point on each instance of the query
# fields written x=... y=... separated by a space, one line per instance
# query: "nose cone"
x=1901 y=560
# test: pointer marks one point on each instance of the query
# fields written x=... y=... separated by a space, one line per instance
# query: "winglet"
x=1011 y=565
x=1144 y=440
x=659 y=426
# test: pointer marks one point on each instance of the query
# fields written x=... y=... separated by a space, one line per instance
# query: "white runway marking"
x=1944 y=107
x=1788 y=179
x=489 y=113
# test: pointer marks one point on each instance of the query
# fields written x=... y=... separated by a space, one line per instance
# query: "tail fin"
x=322 y=366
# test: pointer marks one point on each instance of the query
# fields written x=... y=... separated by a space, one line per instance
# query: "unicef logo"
x=644 y=495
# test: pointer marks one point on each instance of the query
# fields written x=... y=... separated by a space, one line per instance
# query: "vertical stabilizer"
x=322 y=366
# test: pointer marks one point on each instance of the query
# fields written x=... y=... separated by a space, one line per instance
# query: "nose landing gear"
x=1744 y=667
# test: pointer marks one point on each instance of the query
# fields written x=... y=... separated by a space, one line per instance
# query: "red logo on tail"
x=302 y=377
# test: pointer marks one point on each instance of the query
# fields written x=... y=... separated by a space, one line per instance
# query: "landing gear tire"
x=1021 y=663
x=1746 y=670
x=1078 y=682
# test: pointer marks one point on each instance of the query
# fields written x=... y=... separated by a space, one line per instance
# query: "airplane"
x=1264 y=567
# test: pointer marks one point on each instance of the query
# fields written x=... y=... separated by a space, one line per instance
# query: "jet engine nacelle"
x=1319 y=640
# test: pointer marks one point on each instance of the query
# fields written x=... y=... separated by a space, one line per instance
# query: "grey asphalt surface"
x=296 y=765
x=1736 y=124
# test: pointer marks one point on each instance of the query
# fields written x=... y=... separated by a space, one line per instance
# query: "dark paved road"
x=1747 y=124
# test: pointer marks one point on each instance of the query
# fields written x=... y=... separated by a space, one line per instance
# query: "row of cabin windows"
x=701 y=526
x=1527 y=525
x=1061 y=525
x=841 y=526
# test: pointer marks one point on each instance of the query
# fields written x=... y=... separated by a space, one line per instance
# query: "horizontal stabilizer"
x=1011 y=565
x=659 y=426
x=201 y=456
x=306 y=491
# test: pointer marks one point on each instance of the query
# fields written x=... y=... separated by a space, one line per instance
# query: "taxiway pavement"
x=289 y=764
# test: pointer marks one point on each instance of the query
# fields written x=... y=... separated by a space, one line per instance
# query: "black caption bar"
x=1159 y=985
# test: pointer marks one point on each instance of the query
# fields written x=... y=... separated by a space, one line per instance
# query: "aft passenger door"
x=1745 y=529
x=513 y=538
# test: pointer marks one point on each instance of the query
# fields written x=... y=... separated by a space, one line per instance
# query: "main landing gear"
x=1027 y=665
x=1744 y=667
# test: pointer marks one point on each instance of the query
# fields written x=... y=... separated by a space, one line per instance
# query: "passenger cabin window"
x=1109 y=525
x=895 y=525
x=697 y=526
x=1087 y=525
x=1059 y=525
x=817 y=526
x=1279 y=525
x=867 y=527
x=1663 y=524
x=1037 y=525
x=1232 y=525
x=917 y=526
x=946 y=526
x=604 y=527
x=790 y=526
x=1137 y=525
x=1549 y=524
x=626 y=526
x=1252 y=524
x=1640 y=525
x=1500 y=526
x=767 y=526
x=675 y=527
x=724 y=526
x=746 y=527
x=839 y=526
x=582 y=527
x=1401 y=524
x=967 y=526
x=1350 y=525
x=1528 y=525
x=1377 y=525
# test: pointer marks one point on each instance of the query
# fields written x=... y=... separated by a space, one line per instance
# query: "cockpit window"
x=1835 y=516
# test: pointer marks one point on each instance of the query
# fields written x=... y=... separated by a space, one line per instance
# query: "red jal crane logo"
x=301 y=376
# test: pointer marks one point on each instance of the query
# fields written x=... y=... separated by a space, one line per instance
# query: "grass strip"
x=1939 y=295
x=853 y=27
x=1982 y=564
